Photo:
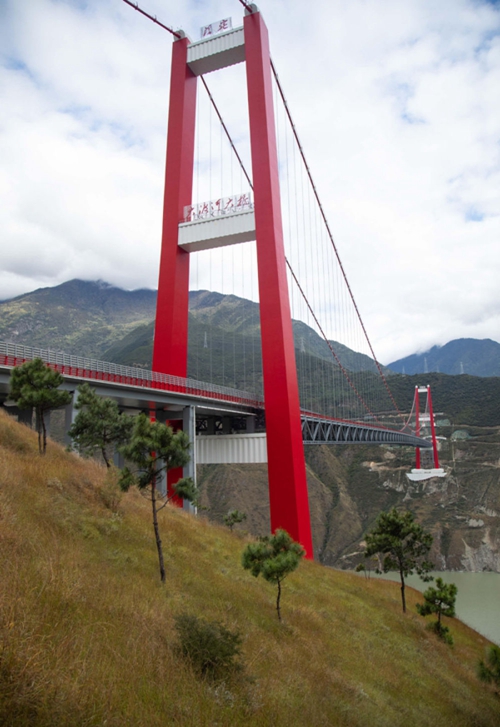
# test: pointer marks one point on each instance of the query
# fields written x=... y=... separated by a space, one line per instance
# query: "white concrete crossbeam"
x=219 y=231
x=216 y=52
x=231 y=449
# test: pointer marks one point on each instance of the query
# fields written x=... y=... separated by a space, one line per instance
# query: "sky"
x=396 y=102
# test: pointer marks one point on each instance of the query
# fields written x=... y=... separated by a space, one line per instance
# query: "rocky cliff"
x=350 y=485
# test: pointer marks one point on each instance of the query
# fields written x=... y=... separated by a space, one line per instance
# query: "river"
x=478 y=598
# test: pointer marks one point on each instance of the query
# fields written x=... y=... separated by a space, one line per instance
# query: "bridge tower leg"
x=286 y=464
x=285 y=450
x=171 y=325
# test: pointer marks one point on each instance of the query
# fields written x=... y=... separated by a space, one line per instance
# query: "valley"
x=348 y=484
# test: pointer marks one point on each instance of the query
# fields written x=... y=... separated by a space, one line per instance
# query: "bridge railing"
x=12 y=354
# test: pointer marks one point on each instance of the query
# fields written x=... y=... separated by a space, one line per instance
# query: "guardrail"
x=12 y=354
x=315 y=427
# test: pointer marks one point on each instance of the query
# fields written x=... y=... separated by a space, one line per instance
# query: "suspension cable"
x=323 y=215
x=351 y=384
x=344 y=371
x=226 y=131
x=153 y=18
x=135 y=6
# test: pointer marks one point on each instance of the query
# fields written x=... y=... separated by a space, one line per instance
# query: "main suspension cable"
x=330 y=235
x=226 y=131
x=178 y=35
x=344 y=371
x=153 y=18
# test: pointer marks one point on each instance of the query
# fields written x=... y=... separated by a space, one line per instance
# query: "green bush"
x=442 y=632
x=489 y=671
x=209 y=645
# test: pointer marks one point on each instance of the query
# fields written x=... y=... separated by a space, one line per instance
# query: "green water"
x=478 y=598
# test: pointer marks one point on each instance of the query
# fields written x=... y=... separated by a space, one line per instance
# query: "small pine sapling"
x=155 y=449
x=34 y=385
x=233 y=517
x=404 y=545
x=273 y=557
x=440 y=601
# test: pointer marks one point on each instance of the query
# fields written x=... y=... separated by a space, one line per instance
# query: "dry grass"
x=87 y=630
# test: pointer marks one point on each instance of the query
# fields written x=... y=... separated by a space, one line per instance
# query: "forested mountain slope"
x=461 y=356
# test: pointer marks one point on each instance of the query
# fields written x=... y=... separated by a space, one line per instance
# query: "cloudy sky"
x=397 y=103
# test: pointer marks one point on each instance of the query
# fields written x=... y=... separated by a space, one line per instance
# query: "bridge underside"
x=327 y=431
x=228 y=425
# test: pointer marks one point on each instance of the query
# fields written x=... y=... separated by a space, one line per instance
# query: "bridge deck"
x=94 y=370
x=142 y=385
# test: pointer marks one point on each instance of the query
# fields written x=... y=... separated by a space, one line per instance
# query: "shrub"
x=209 y=645
x=490 y=671
x=443 y=632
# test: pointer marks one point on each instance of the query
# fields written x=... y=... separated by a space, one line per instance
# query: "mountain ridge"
x=90 y=318
x=474 y=356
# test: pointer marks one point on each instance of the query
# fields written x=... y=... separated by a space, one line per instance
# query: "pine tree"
x=154 y=449
x=34 y=385
x=404 y=545
x=274 y=557
x=441 y=601
x=233 y=517
x=98 y=426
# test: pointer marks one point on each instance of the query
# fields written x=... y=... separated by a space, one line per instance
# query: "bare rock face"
x=486 y=556
x=461 y=510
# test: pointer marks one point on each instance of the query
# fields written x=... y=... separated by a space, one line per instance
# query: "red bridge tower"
x=286 y=465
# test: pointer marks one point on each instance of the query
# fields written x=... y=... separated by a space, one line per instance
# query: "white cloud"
x=396 y=104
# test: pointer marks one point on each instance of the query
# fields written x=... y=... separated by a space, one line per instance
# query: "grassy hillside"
x=87 y=637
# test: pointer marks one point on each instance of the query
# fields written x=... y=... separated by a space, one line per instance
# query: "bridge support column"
x=286 y=464
x=189 y=426
x=25 y=416
x=287 y=474
x=69 y=417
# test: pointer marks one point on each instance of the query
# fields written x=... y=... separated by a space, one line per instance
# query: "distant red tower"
x=286 y=464
x=424 y=419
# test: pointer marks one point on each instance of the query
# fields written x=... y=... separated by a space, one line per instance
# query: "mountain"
x=464 y=399
x=78 y=317
x=98 y=320
x=461 y=356
x=241 y=316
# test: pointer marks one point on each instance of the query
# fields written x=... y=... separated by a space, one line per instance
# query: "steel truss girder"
x=327 y=431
